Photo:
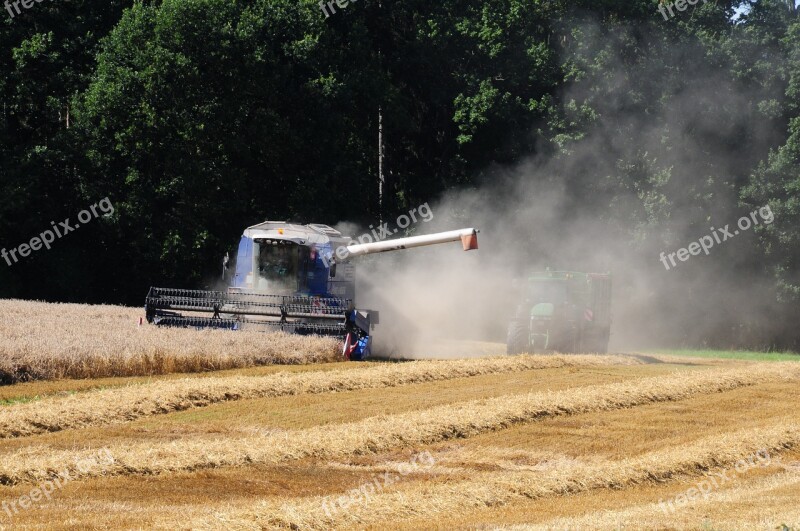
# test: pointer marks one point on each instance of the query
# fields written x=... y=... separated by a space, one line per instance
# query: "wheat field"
x=523 y=442
x=40 y=341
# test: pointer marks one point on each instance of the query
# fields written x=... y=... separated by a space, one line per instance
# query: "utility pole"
x=380 y=165
x=381 y=152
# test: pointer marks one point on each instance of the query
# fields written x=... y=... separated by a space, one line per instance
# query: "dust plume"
x=646 y=179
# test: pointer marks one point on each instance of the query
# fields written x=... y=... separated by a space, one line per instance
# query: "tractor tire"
x=517 y=339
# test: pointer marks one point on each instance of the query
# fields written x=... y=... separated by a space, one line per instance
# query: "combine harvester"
x=294 y=278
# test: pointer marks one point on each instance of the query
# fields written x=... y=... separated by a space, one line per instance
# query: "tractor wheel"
x=540 y=342
x=517 y=339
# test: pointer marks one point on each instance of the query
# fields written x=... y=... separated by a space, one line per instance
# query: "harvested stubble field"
x=545 y=442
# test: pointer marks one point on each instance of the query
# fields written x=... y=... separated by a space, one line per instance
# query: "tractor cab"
x=544 y=298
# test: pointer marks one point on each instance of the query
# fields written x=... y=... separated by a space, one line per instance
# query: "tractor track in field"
x=376 y=434
x=416 y=499
x=126 y=404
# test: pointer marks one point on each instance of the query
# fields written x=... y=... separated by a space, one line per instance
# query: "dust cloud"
x=610 y=202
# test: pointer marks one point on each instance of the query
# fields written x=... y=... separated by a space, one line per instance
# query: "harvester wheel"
x=517 y=340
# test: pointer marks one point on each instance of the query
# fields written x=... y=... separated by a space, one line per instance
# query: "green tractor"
x=562 y=311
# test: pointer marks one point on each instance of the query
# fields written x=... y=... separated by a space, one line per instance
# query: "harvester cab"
x=562 y=311
x=286 y=259
x=290 y=277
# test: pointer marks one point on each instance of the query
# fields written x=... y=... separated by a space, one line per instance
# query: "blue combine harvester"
x=294 y=278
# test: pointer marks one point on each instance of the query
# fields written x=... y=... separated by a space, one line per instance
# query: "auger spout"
x=468 y=238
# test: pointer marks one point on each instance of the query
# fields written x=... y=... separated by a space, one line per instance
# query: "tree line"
x=198 y=118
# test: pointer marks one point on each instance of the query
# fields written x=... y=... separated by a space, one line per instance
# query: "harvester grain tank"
x=291 y=277
x=562 y=311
